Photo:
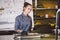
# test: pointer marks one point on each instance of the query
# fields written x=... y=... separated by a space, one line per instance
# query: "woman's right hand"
x=19 y=30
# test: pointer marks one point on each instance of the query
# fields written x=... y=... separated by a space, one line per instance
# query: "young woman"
x=23 y=23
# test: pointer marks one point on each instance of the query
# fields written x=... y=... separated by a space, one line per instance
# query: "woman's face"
x=28 y=9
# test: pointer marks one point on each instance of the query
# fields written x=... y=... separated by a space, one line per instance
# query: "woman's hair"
x=26 y=4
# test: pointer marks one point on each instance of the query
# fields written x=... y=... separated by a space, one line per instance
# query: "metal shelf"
x=47 y=8
x=1 y=8
x=43 y=18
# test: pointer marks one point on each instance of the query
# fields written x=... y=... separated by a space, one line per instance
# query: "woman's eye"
x=28 y=8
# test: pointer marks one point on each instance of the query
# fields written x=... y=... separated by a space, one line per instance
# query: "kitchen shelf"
x=43 y=18
x=47 y=0
x=1 y=8
x=44 y=12
x=47 y=4
x=46 y=8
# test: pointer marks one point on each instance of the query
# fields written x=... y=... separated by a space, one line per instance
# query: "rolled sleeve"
x=30 y=24
x=16 y=23
x=30 y=27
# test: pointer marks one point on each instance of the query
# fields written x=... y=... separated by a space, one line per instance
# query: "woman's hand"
x=19 y=30
x=32 y=28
